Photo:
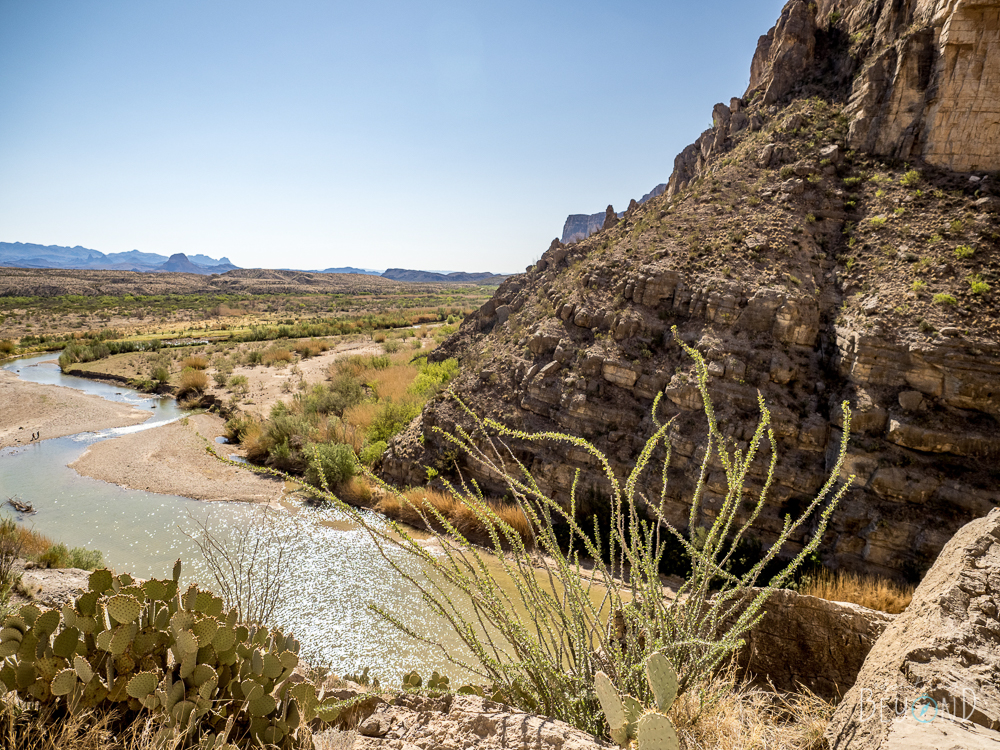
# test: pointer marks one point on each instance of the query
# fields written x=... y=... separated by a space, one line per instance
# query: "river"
x=334 y=569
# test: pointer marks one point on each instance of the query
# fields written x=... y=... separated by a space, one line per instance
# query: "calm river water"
x=334 y=570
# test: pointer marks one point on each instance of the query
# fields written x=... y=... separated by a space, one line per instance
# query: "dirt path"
x=171 y=460
x=55 y=411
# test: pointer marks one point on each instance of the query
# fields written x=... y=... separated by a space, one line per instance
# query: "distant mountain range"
x=403 y=274
x=28 y=255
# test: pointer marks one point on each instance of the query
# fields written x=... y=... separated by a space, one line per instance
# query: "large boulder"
x=937 y=664
x=806 y=641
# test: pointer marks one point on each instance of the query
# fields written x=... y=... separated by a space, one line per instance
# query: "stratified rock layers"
x=922 y=79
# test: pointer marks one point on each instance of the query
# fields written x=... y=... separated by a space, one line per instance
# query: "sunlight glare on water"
x=334 y=569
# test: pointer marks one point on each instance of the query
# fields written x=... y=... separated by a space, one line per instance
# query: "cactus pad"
x=121 y=639
x=262 y=705
x=289 y=659
x=46 y=623
x=611 y=702
x=272 y=666
x=202 y=601
x=186 y=643
x=100 y=580
x=29 y=613
x=124 y=608
x=205 y=630
x=201 y=674
x=662 y=681
x=142 y=685
x=83 y=669
x=64 y=682
x=64 y=644
x=657 y=733
x=181 y=712
x=182 y=620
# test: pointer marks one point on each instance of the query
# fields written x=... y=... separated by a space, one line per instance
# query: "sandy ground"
x=171 y=460
x=266 y=385
x=55 y=411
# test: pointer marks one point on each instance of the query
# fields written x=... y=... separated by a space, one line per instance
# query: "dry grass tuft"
x=28 y=729
x=31 y=542
x=357 y=491
x=275 y=355
x=745 y=718
x=192 y=381
x=196 y=362
x=311 y=348
x=869 y=591
x=413 y=502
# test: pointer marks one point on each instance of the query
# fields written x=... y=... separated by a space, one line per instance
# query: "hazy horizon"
x=310 y=135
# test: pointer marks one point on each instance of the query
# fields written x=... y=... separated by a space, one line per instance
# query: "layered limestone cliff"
x=803 y=267
x=919 y=76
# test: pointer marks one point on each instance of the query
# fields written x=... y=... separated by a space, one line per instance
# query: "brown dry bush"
x=31 y=542
x=29 y=729
x=311 y=348
x=408 y=510
x=195 y=362
x=192 y=381
x=739 y=717
x=275 y=355
x=869 y=591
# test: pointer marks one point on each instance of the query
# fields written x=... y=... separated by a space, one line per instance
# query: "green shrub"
x=977 y=285
x=58 y=556
x=238 y=383
x=391 y=346
x=332 y=463
x=910 y=179
x=7 y=346
x=160 y=374
x=964 y=251
x=919 y=285
x=944 y=299
x=380 y=362
x=390 y=419
x=372 y=452
x=433 y=376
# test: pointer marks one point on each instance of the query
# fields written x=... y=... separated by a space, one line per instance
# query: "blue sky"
x=307 y=134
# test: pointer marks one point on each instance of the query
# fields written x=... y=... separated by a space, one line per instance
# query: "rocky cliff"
x=919 y=78
x=806 y=261
x=580 y=226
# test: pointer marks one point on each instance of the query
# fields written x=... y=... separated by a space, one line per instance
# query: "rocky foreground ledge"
x=925 y=679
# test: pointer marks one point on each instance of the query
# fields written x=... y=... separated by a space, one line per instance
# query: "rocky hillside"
x=580 y=226
x=834 y=236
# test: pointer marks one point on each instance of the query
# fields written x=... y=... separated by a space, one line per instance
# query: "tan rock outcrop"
x=465 y=721
x=941 y=655
x=807 y=642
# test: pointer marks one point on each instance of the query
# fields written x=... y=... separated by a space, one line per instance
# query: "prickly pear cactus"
x=180 y=655
x=626 y=717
